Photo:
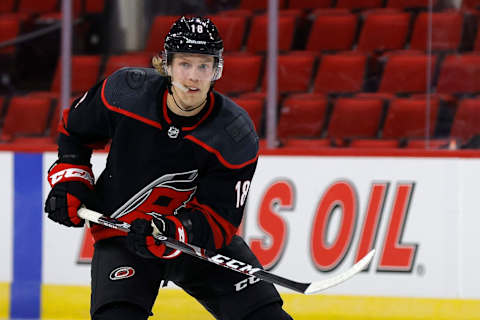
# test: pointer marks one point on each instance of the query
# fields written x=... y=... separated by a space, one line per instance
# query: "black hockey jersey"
x=198 y=168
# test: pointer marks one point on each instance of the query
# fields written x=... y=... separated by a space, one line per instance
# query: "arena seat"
x=309 y=4
x=116 y=62
x=257 y=38
x=85 y=73
x=241 y=73
x=459 y=74
x=341 y=73
x=232 y=31
x=306 y=144
x=332 y=31
x=466 y=122
x=447 y=33
x=158 y=32
x=259 y=5
x=428 y=144
x=7 y=6
x=294 y=71
x=254 y=108
x=471 y=4
x=405 y=73
x=26 y=116
x=406 y=118
x=94 y=6
x=374 y=143
x=409 y=4
x=302 y=115
x=359 y=4
x=36 y=6
x=2 y=102
x=355 y=118
x=9 y=29
x=384 y=30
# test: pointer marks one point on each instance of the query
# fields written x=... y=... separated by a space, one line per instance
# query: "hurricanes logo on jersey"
x=163 y=196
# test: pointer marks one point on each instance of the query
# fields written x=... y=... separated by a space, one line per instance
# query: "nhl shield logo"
x=173 y=132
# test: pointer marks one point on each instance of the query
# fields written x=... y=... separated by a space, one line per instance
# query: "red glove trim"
x=155 y=249
x=63 y=172
x=180 y=235
x=73 y=205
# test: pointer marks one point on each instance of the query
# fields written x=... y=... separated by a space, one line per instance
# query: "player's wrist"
x=66 y=172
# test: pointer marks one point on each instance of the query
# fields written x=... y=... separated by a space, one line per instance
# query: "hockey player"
x=181 y=160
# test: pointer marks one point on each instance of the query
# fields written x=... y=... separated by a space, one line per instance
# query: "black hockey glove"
x=72 y=186
x=141 y=241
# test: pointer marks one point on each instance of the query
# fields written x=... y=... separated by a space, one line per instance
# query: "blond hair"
x=158 y=64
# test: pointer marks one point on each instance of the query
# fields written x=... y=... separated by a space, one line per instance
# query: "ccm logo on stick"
x=232 y=263
x=122 y=273
x=245 y=282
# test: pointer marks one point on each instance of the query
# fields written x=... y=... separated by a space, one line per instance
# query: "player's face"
x=194 y=72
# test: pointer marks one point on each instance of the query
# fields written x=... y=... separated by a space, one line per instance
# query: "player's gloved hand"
x=141 y=241
x=72 y=186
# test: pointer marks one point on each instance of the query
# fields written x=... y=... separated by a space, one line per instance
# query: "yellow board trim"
x=4 y=299
x=72 y=302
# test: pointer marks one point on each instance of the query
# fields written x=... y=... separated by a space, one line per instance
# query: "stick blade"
x=318 y=286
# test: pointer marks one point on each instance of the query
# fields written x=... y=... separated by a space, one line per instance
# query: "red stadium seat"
x=241 y=73
x=374 y=143
x=158 y=31
x=332 y=31
x=460 y=74
x=254 y=108
x=94 y=6
x=26 y=116
x=85 y=73
x=309 y=4
x=36 y=6
x=341 y=73
x=236 y=13
x=9 y=30
x=447 y=31
x=375 y=95
x=406 y=118
x=359 y=4
x=302 y=115
x=384 y=30
x=428 y=144
x=355 y=118
x=471 y=4
x=409 y=4
x=2 y=102
x=127 y=60
x=7 y=6
x=466 y=123
x=307 y=144
x=259 y=5
x=294 y=71
x=406 y=73
x=232 y=30
x=257 y=39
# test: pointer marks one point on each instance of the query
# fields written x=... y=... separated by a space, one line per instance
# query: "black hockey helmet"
x=194 y=35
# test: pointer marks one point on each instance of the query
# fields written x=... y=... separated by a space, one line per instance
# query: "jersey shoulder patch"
x=133 y=90
x=230 y=135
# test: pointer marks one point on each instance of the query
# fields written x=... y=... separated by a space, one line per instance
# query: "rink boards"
x=307 y=218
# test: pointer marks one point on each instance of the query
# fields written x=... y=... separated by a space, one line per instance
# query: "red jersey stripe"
x=127 y=113
x=219 y=156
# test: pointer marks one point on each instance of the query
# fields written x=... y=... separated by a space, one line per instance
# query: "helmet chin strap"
x=177 y=85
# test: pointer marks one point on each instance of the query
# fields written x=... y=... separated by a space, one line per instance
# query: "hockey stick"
x=232 y=264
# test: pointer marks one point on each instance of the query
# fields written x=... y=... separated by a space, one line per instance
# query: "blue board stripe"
x=27 y=236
